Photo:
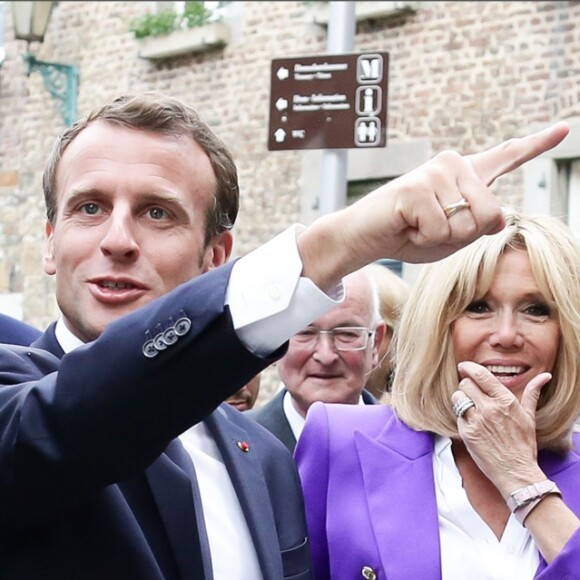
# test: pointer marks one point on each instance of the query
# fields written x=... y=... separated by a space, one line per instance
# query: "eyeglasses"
x=343 y=337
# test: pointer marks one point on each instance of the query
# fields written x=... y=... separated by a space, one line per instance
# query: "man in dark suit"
x=117 y=458
x=328 y=361
x=13 y=331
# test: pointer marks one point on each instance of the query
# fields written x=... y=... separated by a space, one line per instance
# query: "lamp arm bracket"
x=61 y=81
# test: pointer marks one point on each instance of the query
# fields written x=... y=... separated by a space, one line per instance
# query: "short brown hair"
x=169 y=116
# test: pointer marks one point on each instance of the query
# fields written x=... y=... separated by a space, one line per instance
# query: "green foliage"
x=157 y=24
x=166 y=21
x=196 y=14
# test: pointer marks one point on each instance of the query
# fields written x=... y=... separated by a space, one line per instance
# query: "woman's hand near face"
x=500 y=431
x=500 y=435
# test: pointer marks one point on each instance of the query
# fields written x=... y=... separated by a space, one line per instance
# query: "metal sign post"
x=341 y=33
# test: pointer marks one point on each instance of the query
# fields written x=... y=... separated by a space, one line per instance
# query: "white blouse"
x=469 y=548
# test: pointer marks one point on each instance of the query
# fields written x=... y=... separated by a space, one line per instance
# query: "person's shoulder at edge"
x=14 y=331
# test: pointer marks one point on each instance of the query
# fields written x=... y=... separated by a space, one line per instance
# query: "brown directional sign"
x=329 y=101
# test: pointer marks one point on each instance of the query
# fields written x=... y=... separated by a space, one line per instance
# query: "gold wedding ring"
x=453 y=208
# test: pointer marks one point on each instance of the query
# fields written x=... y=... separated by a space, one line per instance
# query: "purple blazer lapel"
x=398 y=480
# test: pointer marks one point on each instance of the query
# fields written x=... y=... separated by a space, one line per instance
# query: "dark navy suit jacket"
x=94 y=483
x=14 y=331
x=273 y=418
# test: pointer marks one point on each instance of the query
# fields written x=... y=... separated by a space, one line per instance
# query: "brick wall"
x=463 y=74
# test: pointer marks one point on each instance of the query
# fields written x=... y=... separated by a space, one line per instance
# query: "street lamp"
x=60 y=80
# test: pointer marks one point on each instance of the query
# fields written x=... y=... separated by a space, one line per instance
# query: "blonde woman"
x=473 y=471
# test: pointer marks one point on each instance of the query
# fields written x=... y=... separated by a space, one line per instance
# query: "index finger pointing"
x=509 y=155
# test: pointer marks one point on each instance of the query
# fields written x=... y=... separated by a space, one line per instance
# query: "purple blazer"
x=370 y=496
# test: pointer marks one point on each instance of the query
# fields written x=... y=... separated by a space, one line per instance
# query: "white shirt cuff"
x=269 y=301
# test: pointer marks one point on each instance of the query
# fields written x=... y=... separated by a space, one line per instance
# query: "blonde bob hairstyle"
x=426 y=369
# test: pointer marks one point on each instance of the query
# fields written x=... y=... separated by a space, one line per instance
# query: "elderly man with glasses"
x=327 y=361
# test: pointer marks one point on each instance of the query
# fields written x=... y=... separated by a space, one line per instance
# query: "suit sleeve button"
x=170 y=336
x=159 y=342
x=182 y=326
x=149 y=349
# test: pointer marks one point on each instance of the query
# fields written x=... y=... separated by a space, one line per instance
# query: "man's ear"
x=218 y=251
x=48 y=259
x=380 y=331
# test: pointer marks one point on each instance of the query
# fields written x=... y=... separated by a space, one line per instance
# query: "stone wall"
x=465 y=75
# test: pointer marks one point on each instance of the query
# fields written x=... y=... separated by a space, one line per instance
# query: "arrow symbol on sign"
x=282 y=73
x=281 y=104
x=280 y=135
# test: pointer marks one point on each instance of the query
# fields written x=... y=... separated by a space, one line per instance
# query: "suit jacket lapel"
x=398 y=478
x=47 y=341
x=171 y=484
x=279 y=421
x=248 y=480
x=368 y=398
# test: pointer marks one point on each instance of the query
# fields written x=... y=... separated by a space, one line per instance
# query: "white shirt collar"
x=294 y=418
x=67 y=340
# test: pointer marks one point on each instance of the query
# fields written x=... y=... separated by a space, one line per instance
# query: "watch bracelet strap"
x=522 y=501
x=524 y=512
